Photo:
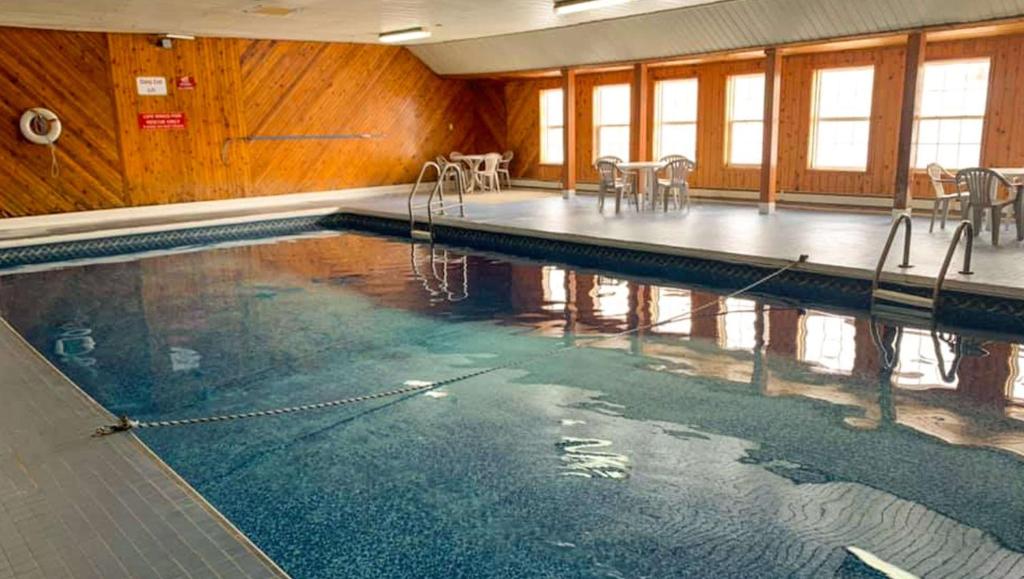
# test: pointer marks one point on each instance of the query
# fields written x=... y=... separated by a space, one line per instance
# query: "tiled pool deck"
x=76 y=506
x=838 y=243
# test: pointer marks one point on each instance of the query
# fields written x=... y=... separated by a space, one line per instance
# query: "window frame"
x=983 y=117
x=596 y=114
x=816 y=118
x=659 y=124
x=730 y=121
x=544 y=127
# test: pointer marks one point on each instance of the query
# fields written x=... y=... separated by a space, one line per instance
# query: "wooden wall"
x=69 y=73
x=243 y=88
x=1002 y=145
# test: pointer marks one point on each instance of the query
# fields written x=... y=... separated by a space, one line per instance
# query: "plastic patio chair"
x=983 y=187
x=505 y=168
x=678 y=169
x=488 y=173
x=614 y=180
x=940 y=179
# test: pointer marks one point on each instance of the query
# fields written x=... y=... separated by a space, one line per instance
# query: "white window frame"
x=545 y=147
x=598 y=125
x=817 y=118
x=731 y=120
x=918 y=117
x=660 y=124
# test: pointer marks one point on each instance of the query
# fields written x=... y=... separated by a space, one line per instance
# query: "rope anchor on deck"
x=124 y=424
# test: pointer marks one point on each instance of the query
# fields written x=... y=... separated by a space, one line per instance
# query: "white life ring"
x=35 y=120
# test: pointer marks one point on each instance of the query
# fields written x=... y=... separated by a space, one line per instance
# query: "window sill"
x=859 y=170
x=551 y=164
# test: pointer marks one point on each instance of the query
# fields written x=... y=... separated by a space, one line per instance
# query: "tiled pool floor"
x=76 y=506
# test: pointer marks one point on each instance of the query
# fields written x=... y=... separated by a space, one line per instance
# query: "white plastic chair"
x=940 y=178
x=983 y=186
x=678 y=168
x=488 y=173
x=505 y=167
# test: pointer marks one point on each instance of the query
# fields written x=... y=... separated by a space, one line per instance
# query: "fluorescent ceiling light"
x=572 y=6
x=404 y=35
x=178 y=36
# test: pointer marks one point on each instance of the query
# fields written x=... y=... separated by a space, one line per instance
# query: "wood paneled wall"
x=1002 y=143
x=67 y=72
x=243 y=88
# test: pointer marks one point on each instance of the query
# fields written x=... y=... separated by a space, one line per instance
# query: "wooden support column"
x=639 y=142
x=770 y=144
x=569 y=138
x=912 y=79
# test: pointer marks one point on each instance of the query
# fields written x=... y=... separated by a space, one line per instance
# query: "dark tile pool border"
x=959 y=309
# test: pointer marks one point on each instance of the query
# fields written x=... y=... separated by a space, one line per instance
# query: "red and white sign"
x=161 y=121
x=186 y=83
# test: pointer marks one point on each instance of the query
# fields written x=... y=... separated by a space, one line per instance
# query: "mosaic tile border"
x=959 y=309
x=157 y=240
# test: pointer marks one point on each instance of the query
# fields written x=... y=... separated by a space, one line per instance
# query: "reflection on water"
x=193 y=332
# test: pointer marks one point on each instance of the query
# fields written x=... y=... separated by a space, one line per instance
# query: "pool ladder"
x=912 y=307
x=445 y=173
x=440 y=262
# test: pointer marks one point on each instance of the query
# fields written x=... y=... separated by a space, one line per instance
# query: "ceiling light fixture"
x=573 y=6
x=404 y=35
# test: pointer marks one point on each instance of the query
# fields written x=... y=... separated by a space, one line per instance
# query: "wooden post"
x=770 y=143
x=639 y=144
x=912 y=79
x=569 y=138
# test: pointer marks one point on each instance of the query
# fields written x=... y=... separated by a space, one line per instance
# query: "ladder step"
x=905 y=299
x=420 y=235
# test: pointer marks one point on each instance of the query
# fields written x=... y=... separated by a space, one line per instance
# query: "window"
x=737 y=326
x=675 y=118
x=611 y=121
x=745 y=117
x=842 y=118
x=919 y=367
x=672 y=303
x=552 y=127
x=555 y=294
x=952 y=114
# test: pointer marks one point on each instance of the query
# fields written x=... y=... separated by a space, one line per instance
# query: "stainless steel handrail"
x=968 y=253
x=460 y=187
x=902 y=219
x=419 y=180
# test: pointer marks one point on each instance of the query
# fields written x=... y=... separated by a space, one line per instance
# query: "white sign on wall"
x=151 y=85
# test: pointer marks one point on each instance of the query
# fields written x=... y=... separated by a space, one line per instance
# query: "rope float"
x=126 y=424
x=43 y=127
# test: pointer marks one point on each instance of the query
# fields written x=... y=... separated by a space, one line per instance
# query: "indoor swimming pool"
x=650 y=430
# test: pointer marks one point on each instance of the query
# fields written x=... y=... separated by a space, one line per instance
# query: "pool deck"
x=838 y=243
x=76 y=506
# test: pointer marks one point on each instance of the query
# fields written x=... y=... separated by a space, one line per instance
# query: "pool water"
x=752 y=439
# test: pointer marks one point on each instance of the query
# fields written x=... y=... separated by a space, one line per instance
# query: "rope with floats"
x=126 y=424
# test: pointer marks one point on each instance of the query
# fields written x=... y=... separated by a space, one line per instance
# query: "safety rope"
x=54 y=165
x=125 y=423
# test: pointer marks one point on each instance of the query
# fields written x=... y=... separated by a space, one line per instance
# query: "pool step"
x=899 y=306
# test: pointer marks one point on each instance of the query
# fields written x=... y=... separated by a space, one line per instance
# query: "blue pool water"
x=751 y=440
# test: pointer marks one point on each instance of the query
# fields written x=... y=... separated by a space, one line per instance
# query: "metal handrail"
x=902 y=219
x=968 y=252
x=956 y=345
x=419 y=179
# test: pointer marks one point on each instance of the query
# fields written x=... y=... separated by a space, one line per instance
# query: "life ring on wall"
x=40 y=126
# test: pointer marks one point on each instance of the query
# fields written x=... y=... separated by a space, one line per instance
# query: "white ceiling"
x=332 y=20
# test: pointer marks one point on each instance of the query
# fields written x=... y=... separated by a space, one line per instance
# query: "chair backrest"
x=454 y=155
x=936 y=174
x=507 y=157
x=491 y=161
x=441 y=161
x=606 y=169
x=679 y=170
x=982 y=184
x=669 y=158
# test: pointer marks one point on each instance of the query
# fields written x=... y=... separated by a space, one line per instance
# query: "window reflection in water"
x=736 y=325
x=1017 y=376
x=611 y=297
x=555 y=296
x=918 y=367
x=829 y=341
x=672 y=303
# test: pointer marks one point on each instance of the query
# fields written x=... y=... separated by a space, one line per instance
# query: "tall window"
x=829 y=341
x=952 y=113
x=675 y=121
x=842 y=118
x=552 y=127
x=611 y=121
x=745 y=116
